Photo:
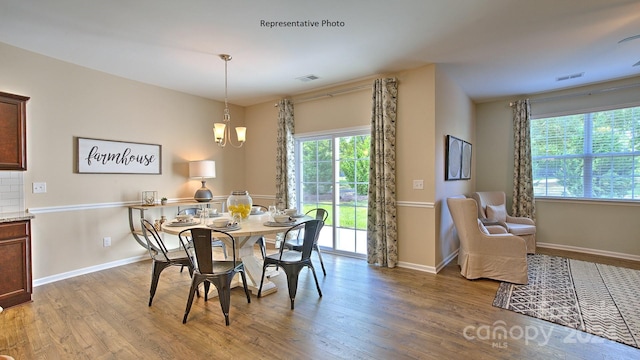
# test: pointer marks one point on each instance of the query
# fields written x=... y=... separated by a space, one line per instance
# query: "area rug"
x=598 y=299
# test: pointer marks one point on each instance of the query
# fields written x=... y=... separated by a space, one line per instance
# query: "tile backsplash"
x=11 y=191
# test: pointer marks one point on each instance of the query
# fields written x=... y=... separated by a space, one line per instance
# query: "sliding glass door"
x=333 y=174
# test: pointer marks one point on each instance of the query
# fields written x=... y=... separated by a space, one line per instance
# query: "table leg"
x=253 y=269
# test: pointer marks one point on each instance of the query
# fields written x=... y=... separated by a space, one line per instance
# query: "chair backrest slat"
x=311 y=233
x=201 y=238
x=202 y=245
x=320 y=214
x=311 y=230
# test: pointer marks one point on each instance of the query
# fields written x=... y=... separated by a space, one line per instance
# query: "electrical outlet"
x=39 y=187
x=418 y=184
x=106 y=241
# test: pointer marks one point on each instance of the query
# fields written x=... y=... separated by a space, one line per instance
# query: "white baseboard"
x=87 y=270
x=447 y=260
x=423 y=268
x=590 y=251
x=429 y=269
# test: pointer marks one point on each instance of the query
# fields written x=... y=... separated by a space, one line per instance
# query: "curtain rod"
x=332 y=94
x=584 y=93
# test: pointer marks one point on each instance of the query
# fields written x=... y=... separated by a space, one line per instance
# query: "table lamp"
x=203 y=169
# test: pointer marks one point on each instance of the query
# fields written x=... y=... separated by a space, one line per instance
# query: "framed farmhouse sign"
x=95 y=156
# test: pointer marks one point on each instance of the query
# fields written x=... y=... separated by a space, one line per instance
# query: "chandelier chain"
x=222 y=130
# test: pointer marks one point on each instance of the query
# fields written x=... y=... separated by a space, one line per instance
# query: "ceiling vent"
x=308 y=78
x=568 y=77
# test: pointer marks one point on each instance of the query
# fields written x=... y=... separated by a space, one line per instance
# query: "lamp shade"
x=242 y=134
x=218 y=131
x=204 y=169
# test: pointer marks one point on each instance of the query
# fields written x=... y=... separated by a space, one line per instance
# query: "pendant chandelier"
x=221 y=130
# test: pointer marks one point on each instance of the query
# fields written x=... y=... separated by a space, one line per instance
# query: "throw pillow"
x=497 y=212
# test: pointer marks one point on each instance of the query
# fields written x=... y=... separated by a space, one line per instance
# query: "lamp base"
x=203 y=194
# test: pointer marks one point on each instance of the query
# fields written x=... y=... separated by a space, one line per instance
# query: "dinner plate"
x=280 y=224
x=297 y=216
x=257 y=213
x=183 y=223
x=226 y=228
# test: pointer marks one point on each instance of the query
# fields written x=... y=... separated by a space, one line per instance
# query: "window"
x=594 y=155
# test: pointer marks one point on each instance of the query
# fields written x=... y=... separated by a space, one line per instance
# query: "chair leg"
x=313 y=271
x=192 y=290
x=292 y=273
x=224 y=250
x=207 y=284
x=320 y=257
x=244 y=283
x=263 y=247
x=155 y=276
x=191 y=269
x=223 y=285
x=264 y=270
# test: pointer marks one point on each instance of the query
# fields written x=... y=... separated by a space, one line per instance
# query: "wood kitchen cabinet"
x=13 y=132
x=15 y=263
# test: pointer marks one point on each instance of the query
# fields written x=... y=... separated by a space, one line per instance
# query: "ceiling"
x=491 y=48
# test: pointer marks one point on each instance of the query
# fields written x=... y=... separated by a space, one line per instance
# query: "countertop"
x=15 y=216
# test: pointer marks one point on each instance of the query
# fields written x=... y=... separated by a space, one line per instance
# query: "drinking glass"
x=204 y=215
x=272 y=211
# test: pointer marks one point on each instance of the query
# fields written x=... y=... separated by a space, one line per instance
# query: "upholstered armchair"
x=482 y=254
x=492 y=209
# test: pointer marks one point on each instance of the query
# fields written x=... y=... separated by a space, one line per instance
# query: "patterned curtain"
x=285 y=162
x=382 y=237
x=523 y=202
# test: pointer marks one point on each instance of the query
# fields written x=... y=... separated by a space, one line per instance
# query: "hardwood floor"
x=366 y=313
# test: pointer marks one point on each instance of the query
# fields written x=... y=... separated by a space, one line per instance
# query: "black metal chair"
x=292 y=261
x=214 y=242
x=161 y=256
x=296 y=242
x=220 y=273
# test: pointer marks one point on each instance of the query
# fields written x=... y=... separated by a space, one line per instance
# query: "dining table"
x=246 y=234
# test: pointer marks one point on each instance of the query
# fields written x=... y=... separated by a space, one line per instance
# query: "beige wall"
x=455 y=114
x=591 y=226
x=415 y=151
x=430 y=106
x=493 y=150
x=260 y=152
x=78 y=210
x=343 y=111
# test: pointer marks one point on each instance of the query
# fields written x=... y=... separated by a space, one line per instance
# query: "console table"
x=136 y=231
